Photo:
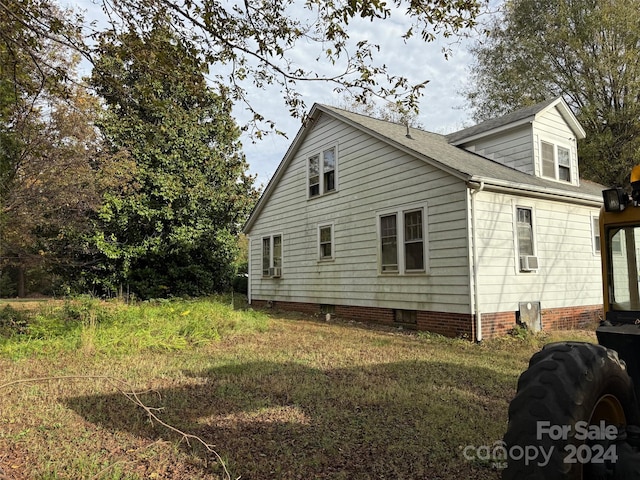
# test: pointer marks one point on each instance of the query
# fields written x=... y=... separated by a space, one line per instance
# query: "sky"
x=442 y=106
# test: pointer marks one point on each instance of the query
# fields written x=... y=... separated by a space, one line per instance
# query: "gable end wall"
x=373 y=177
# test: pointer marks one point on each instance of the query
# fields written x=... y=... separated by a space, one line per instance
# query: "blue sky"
x=442 y=108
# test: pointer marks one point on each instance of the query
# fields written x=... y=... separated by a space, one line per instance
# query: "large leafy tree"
x=587 y=52
x=170 y=230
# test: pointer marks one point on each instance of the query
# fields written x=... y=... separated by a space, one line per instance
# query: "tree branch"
x=127 y=391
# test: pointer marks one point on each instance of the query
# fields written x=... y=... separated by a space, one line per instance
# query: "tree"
x=586 y=52
x=388 y=111
x=47 y=147
x=256 y=41
x=171 y=229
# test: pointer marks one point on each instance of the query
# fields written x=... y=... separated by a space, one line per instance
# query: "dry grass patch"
x=293 y=399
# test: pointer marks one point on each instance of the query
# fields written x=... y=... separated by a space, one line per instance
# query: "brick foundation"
x=452 y=324
x=572 y=317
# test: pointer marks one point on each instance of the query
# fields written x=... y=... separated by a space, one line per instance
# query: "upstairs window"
x=322 y=172
x=556 y=161
x=564 y=164
x=314 y=176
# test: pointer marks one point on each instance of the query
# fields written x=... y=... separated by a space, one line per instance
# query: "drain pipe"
x=474 y=189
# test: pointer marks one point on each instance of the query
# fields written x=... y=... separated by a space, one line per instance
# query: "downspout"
x=249 y=272
x=474 y=189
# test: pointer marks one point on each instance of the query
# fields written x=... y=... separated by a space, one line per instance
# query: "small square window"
x=406 y=316
x=330 y=309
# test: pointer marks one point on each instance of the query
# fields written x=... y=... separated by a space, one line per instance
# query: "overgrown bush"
x=12 y=322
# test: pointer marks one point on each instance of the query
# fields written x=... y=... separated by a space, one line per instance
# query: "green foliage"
x=585 y=52
x=12 y=322
x=173 y=234
x=113 y=328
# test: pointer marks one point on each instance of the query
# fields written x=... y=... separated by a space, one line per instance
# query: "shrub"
x=12 y=322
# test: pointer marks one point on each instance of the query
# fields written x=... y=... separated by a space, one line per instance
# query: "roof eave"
x=492 y=184
x=275 y=178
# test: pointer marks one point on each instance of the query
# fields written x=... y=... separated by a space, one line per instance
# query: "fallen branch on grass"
x=125 y=389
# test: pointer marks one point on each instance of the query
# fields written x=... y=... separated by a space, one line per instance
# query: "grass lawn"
x=276 y=397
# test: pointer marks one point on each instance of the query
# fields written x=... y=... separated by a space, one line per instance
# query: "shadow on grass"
x=286 y=421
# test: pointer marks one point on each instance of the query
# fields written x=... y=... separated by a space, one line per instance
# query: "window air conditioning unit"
x=275 y=272
x=528 y=263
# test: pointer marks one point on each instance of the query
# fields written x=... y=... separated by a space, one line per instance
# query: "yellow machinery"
x=576 y=414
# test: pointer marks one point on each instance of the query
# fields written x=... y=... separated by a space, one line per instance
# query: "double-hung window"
x=272 y=256
x=402 y=241
x=556 y=161
x=322 y=176
x=325 y=242
x=527 y=259
x=595 y=233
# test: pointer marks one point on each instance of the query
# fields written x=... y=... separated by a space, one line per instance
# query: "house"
x=466 y=234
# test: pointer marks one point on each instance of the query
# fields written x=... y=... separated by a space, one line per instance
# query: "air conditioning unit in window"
x=528 y=263
x=275 y=272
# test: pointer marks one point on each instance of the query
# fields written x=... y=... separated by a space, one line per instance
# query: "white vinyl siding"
x=374 y=178
x=513 y=148
x=555 y=148
x=568 y=275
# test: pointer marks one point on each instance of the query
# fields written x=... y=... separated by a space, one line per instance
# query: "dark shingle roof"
x=496 y=123
x=436 y=149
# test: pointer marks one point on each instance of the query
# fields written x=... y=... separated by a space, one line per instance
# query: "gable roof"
x=436 y=150
x=517 y=118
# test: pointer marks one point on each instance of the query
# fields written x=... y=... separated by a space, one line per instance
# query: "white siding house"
x=466 y=234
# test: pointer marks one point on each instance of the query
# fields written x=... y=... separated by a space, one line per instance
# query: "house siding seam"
x=494 y=324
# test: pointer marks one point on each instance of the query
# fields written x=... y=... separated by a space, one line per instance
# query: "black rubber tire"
x=562 y=385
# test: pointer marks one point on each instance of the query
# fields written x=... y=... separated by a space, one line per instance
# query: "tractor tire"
x=565 y=383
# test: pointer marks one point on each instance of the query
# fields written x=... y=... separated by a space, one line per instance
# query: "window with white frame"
x=556 y=161
x=402 y=241
x=322 y=169
x=272 y=256
x=595 y=233
x=528 y=262
x=325 y=242
x=389 y=243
